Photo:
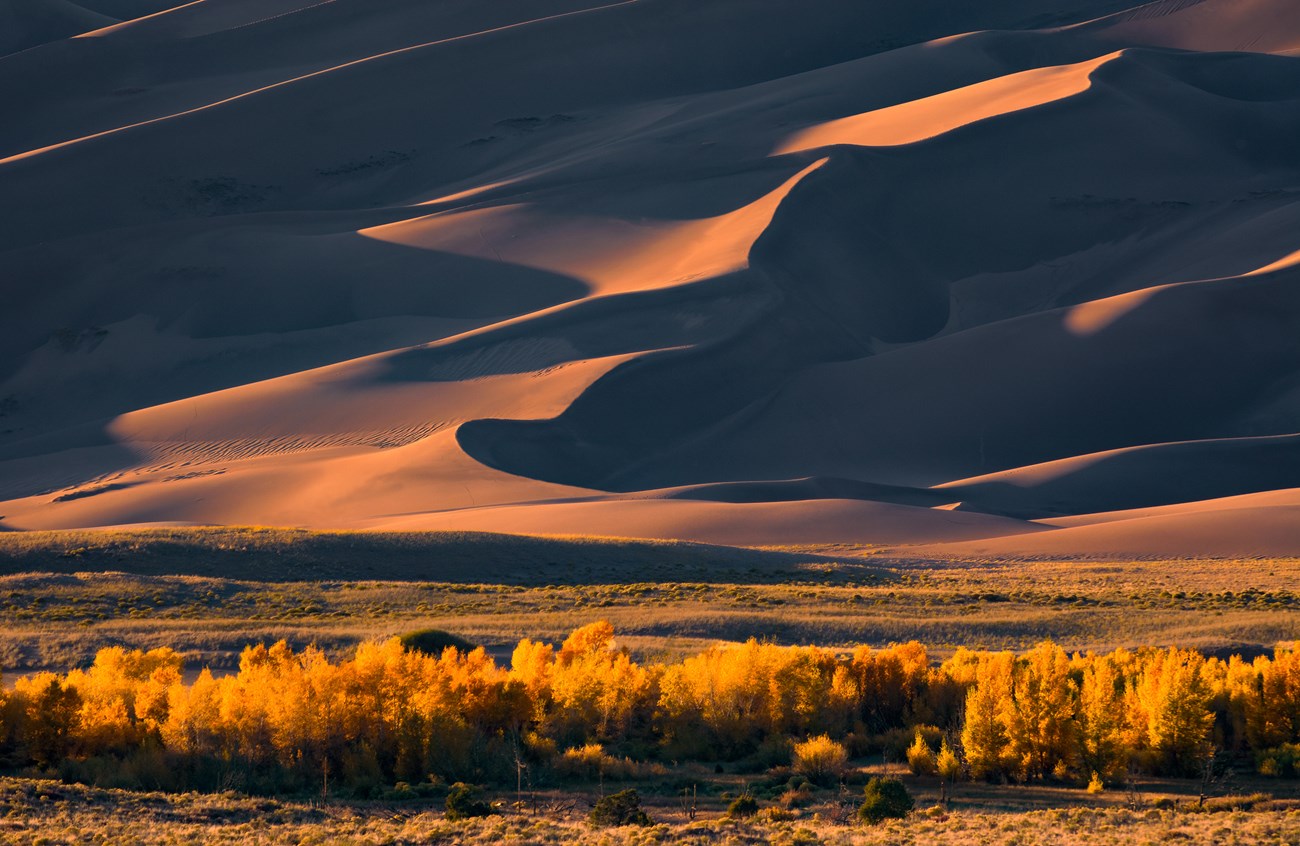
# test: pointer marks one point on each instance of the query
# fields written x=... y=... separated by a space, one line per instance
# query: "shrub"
x=796 y=797
x=1236 y=803
x=821 y=759
x=1095 y=784
x=463 y=802
x=884 y=798
x=434 y=641
x=400 y=792
x=592 y=762
x=771 y=753
x=775 y=815
x=947 y=765
x=587 y=762
x=894 y=743
x=622 y=808
x=920 y=757
x=744 y=805
x=1278 y=762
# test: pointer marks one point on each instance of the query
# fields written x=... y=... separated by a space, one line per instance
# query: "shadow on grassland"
x=273 y=554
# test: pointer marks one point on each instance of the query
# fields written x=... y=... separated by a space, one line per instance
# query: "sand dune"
x=1255 y=525
x=919 y=120
x=758 y=523
x=29 y=23
x=971 y=278
x=1261 y=26
x=1134 y=477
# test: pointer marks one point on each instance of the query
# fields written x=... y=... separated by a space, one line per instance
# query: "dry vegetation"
x=51 y=813
x=208 y=592
x=275 y=554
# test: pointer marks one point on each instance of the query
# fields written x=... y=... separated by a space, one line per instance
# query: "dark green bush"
x=884 y=798
x=434 y=641
x=771 y=753
x=463 y=802
x=622 y=808
x=744 y=805
x=401 y=792
x=1279 y=762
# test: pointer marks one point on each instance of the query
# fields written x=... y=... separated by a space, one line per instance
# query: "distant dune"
x=996 y=279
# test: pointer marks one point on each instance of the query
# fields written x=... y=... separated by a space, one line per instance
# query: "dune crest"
x=612 y=256
x=920 y=120
x=1005 y=278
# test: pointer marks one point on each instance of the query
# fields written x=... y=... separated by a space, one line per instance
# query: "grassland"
x=46 y=812
x=287 y=555
x=208 y=592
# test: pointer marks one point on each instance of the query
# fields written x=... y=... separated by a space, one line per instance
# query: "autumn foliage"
x=295 y=720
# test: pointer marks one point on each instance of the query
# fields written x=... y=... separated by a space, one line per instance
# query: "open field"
x=52 y=813
x=208 y=593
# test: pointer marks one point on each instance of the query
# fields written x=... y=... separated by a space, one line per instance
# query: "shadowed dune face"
x=746 y=273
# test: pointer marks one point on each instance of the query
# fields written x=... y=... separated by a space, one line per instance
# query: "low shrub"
x=1219 y=804
x=744 y=805
x=920 y=757
x=821 y=759
x=775 y=815
x=797 y=797
x=771 y=753
x=592 y=762
x=1279 y=762
x=622 y=808
x=463 y=802
x=435 y=641
x=884 y=798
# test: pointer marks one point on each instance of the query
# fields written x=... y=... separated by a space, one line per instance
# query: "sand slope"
x=741 y=272
x=28 y=23
x=1254 y=525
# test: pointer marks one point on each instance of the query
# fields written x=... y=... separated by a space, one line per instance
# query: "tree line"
x=294 y=720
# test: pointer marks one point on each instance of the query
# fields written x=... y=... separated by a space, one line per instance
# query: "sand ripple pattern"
x=168 y=455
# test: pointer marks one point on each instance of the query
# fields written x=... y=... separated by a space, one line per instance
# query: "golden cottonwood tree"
x=986 y=732
x=597 y=691
x=1101 y=717
x=1169 y=707
x=1041 y=719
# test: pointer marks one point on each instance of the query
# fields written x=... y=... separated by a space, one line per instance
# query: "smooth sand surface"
x=991 y=279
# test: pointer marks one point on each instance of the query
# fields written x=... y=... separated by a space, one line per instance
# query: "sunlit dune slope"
x=918 y=120
x=1253 y=525
x=978 y=278
x=752 y=523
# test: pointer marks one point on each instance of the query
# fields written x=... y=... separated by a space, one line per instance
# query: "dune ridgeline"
x=1007 y=278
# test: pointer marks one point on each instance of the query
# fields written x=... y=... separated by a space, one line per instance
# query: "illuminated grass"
x=664 y=598
x=52 y=813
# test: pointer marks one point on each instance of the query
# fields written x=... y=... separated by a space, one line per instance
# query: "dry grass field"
x=46 y=812
x=209 y=592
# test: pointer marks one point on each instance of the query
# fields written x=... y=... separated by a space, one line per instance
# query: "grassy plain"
x=209 y=592
x=33 y=811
